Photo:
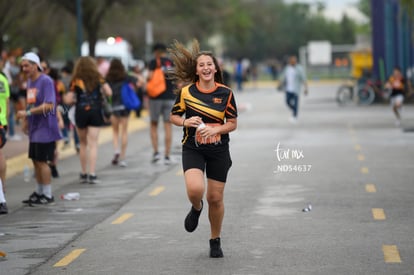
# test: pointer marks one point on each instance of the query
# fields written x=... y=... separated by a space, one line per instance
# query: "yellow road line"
x=391 y=254
x=364 y=170
x=370 y=188
x=157 y=191
x=361 y=157
x=357 y=147
x=16 y=165
x=123 y=218
x=378 y=214
x=69 y=258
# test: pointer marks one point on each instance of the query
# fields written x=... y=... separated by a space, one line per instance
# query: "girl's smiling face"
x=205 y=68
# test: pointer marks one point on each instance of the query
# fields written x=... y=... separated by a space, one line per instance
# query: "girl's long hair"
x=185 y=63
x=87 y=70
x=116 y=71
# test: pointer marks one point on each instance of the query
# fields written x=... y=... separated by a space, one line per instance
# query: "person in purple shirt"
x=41 y=126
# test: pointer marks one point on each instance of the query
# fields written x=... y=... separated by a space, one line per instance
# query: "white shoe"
x=15 y=138
x=398 y=123
x=293 y=120
x=123 y=163
x=156 y=157
x=167 y=161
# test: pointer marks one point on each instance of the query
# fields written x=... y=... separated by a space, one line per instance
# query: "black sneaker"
x=43 y=200
x=3 y=208
x=83 y=178
x=93 y=179
x=191 y=221
x=33 y=197
x=156 y=157
x=215 y=248
x=167 y=160
x=115 y=160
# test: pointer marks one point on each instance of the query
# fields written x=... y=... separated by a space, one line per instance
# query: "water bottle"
x=308 y=208
x=26 y=173
x=71 y=196
x=201 y=126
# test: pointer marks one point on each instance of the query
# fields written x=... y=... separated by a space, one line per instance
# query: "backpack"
x=129 y=98
x=156 y=85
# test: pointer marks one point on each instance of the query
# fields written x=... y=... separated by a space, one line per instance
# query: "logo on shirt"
x=217 y=100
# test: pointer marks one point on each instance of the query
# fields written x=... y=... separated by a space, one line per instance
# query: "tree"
x=256 y=29
x=8 y=14
x=93 y=12
x=364 y=6
x=347 y=30
x=408 y=5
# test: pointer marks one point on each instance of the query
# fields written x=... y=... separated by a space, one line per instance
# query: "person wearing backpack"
x=87 y=90
x=160 y=104
x=117 y=77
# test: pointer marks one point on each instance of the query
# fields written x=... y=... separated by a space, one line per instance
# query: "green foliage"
x=408 y=6
x=280 y=29
x=346 y=31
x=364 y=6
x=258 y=29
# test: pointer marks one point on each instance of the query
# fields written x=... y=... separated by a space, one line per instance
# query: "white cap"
x=32 y=57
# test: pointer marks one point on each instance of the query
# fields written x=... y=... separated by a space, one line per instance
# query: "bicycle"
x=345 y=92
x=372 y=90
x=367 y=91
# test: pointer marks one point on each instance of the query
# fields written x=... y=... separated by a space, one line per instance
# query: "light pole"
x=79 y=25
x=149 y=39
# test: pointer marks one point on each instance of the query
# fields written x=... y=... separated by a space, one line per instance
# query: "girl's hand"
x=193 y=121
x=208 y=131
x=21 y=114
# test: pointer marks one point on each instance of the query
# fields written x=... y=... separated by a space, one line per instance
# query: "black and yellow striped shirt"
x=213 y=106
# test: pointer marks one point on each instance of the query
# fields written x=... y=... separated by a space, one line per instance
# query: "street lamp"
x=79 y=24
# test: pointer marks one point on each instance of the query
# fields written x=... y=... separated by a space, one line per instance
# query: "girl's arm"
x=69 y=98
x=229 y=126
x=106 y=89
x=185 y=122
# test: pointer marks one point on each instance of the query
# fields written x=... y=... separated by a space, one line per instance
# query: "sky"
x=335 y=8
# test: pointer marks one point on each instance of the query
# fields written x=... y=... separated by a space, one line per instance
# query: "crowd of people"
x=51 y=104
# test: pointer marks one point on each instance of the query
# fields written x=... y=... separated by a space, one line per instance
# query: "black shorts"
x=215 y=160
x=121 y=113
x=42 y=151
x=85 y=118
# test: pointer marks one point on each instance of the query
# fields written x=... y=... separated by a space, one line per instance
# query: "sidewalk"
x=17 y=159
x=14 y=148
x=16 y=151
